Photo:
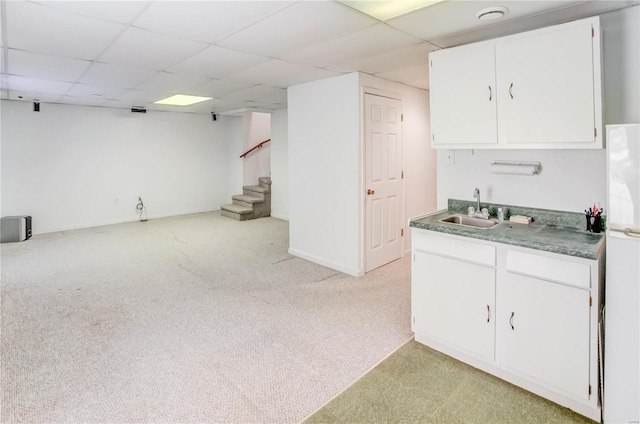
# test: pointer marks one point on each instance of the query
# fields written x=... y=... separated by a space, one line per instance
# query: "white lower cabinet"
x=456 y=303
x=527 y=316
x=547 y=333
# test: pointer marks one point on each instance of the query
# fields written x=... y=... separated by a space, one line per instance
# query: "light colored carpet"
x=417 y=384
x=188 y=319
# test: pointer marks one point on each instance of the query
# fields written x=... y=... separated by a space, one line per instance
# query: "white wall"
x=279 y=165
x=325 y=164
x=570 y=179
x=257 y=163
x=66 y=165
x=323 y=131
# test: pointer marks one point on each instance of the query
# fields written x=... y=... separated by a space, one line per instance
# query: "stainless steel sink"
x=484 y=224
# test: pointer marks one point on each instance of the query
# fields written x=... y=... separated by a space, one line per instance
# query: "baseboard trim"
x=324 y=262
x=278 y=216
x=122 y=221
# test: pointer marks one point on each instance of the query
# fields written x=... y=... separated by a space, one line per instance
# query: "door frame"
x=364 y=90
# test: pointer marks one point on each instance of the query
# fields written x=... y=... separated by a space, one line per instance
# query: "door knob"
x=370 y=192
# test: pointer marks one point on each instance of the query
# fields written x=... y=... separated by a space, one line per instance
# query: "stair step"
x=247 y=199
x=257 y=189
x=240 y=210
x=265 y=180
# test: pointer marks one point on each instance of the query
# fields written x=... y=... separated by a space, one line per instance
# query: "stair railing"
x=257 y=146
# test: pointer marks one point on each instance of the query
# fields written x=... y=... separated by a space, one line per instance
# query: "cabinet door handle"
x=490 y=93
x=488 y=313
x=511 y=320
x=510 y=93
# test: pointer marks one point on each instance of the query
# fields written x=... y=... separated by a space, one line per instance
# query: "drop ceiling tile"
x=218 y=88
x=290 y=29
x=147 y=49
x=273 y=72
x=279 y=98
x=207 y=21
x=119 y=76
x=416 y=76
x=40 y=29
x=255 y=93
x=389 y=61
x=371 y=41
x=120 y=104
x=46 y=67
x=538 y=20
x=115 y=11
x=215 y=62
x=26 y=96
x=318 y=74
x=166 y=82
x=34 y=85
x=84 y=101
x=451 y=17
x=136 y=97
x=86 y=90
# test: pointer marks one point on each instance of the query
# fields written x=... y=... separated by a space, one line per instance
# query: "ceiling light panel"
x=40 y=29
x=368 y=42
x=42 y=66
x=289 y=30
x=215 y=62
x=387 y=9
x=151 y=50
x=207 y=21
x=181 y=100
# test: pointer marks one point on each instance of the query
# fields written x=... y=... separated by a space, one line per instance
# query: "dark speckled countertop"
x=542 y=234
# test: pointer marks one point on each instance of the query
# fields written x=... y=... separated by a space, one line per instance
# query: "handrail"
x=258 y=146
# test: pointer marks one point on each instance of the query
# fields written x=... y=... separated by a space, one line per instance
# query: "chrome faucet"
x=476 y=194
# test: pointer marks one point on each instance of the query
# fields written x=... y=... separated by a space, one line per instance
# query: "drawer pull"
x=511 y=320
x=488 y=313
x=510 y=93
x=490 y=93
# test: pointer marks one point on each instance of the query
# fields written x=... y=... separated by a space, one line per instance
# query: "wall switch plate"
x=451 y=157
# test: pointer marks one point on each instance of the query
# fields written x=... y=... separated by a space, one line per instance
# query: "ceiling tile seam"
x=82 y=15
x=268 y=15
x=353 y=9
x=4 y=80
x=422 y=40
x=116 y=38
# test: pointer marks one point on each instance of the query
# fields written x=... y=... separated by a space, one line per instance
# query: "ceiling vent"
x=491 y=13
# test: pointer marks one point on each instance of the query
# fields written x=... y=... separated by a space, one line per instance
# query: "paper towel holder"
x=515 y=168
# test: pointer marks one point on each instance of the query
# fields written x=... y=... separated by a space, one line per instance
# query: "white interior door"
x=383 y=180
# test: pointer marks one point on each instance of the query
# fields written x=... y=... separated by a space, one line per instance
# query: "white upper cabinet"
x=463 y=86
x=547 y=91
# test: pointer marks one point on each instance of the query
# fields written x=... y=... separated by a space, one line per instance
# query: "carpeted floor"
x=196 y=318
x=419 y=385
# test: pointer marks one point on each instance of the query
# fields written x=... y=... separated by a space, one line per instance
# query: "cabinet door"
x=453 y=302
x=462 y=91
x=546 y=329
x=546 y=87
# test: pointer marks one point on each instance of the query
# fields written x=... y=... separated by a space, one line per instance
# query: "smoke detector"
x=491 y=13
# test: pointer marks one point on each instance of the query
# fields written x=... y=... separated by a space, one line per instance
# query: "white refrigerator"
x=621 y=402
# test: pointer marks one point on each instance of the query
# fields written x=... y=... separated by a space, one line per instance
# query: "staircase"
x=254 y=202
